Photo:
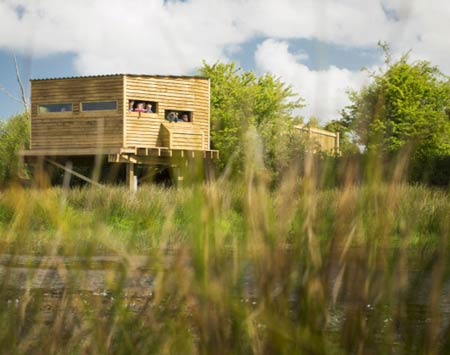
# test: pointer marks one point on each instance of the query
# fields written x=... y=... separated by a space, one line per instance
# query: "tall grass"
x=228 y=267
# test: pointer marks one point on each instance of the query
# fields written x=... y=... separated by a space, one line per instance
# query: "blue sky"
x=51 y=66
x=320 y=57
x=317 y=46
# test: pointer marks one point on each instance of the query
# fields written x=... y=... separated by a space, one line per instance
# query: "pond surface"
x=100 y=282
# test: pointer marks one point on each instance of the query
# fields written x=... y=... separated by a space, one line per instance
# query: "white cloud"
x=174 y=36
x=157 y=36
x=111 y=35
x=422 y=27
x=323 y=90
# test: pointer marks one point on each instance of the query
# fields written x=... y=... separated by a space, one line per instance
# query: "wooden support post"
x=337 y=150
x=40 y=174
x=209 y=171
x=131 y=177
x=177 y=175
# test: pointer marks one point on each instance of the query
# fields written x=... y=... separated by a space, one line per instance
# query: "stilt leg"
x=177 y=176
x=131 y=178
x=40 y=174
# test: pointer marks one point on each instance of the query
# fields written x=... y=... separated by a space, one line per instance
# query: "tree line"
x=404 y=110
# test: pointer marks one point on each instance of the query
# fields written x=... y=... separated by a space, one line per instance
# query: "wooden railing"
x=181 y=136
x=325 y=141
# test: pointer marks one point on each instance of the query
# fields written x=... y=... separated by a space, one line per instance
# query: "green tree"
x=14 y=136
x=240 y=100
x=407 y=104
x=346 y=142
x=314 y=122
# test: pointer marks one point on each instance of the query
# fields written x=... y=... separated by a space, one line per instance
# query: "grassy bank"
x=234 y=268
x=111 y=220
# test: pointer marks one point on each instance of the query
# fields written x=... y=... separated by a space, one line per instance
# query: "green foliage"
x=405 y=110
x=14 y=136
x=314 y=122
x=346 y=143
x=406 y=106
x=240 y=100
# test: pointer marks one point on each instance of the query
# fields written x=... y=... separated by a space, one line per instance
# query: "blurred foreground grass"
x=230 y=268
x=111 y=220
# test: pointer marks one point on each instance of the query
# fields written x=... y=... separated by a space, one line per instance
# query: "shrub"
x=14 y=136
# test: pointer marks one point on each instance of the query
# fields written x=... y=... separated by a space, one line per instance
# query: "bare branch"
x=7 y=93
x=22 y=88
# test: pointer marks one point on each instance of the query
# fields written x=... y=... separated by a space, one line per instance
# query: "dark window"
x=142 y=106
x=55 y=108
x=178 y=116
x=99 y=106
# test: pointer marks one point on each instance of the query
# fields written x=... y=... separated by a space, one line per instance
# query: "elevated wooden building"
x=132 y=119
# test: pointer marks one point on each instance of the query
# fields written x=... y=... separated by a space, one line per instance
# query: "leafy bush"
x=406 y=108
x=14 y=136
x=241 y=101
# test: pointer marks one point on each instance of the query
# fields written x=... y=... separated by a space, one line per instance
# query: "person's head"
x=131 y=104
x=149 y=105
x=185 y=117
x=140 y=105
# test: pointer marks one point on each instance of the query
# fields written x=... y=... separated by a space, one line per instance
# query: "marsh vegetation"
x=227 y=267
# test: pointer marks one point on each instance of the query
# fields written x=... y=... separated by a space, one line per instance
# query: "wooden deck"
x=152 y=156
x=136 y=155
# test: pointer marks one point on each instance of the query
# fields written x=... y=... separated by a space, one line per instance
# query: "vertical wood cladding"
x=76 y=129
x=171 y=93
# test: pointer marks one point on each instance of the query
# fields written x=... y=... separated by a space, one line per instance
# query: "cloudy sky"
x=317 y=46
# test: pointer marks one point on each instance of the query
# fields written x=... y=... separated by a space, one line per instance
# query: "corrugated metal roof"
x=113 y=75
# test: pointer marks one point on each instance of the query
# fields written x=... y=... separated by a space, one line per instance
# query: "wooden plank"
x=167 y=88
x=75 y=96
x=97 y=91
x=185 y=97
x=74 y=143
x=186 y=82
x=86 y=139
x=117 y=158
x=74 y=173
x=75 y=118
x=69 y=152
x=74 y=131
x=62 y=146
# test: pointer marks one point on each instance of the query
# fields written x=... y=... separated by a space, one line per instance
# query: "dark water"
x=101 y=282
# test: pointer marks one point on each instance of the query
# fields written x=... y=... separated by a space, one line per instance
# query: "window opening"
x=142 y=106
x=53 y=108
x=178 y=116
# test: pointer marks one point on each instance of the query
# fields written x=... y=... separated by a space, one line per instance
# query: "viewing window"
x=52 y=108
x=99 y=106
x=142 y=106
x=178 y=116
